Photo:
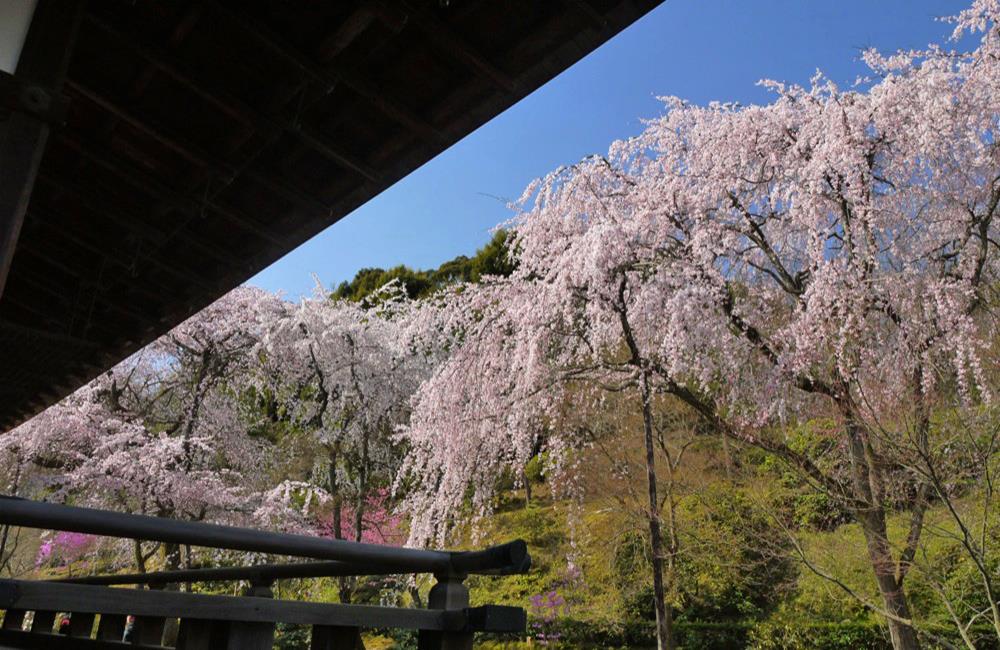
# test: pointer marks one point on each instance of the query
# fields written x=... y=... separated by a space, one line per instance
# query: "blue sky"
x=701 y=50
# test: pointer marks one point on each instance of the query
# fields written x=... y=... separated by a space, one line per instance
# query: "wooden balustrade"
x=98 y=611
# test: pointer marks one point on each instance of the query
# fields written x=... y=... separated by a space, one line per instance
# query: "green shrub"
x=796 y=635
x=291 y=637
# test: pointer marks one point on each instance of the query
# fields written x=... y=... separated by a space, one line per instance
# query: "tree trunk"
x=903 y=636
x=338 y=501
x=664 y=614
x=172 y=562
x=343 y=586
x=5 y=535
x=868 y=490
x=140 y=559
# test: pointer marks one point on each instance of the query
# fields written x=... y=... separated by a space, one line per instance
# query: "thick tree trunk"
x=869 y=490
x=664 y=615
x=903 y=636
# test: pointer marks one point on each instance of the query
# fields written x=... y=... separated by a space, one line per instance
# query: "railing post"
x=252 y=636
x=205 y=634
x=111 y=627
x=148 y=630
x=13 y=619
x=81 y=624
x=448 y=593
x=334 y=637
x=43 y=622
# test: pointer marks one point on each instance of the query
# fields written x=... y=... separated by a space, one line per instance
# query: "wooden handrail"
x=511 y=557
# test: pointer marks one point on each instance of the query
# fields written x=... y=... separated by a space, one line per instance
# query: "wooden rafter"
x=336 y=74
x=43 y=63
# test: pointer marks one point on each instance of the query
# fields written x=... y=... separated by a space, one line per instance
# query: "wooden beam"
x=43 y=63
x=127 y=261
x=81 y=624
x=27 y=640
x=58 y=294
x=329 y=637
x=35 y=595
x=347 y=32
x=100 y=286
x=444 y=37
x=328 y=80
x=31 y=595
x=13 y=619
x=597 y=20
x=133 y=222
x=10 y=330
x=111 y=627
x=239 y=109
x=193 y=153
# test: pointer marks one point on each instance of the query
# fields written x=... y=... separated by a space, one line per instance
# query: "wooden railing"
x=98 y=610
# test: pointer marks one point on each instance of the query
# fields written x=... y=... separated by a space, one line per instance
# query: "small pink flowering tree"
x=64 y=548
x=833 y=250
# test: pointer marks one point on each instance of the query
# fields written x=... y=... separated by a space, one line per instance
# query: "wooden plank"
x=18 y=639
x=148 y=630
x=109 y=600
x=111 y=627
x=43 y=621
x=198 y=634
x=497 y=618
x=13 y=619
x=329 y=637
x=249 y=636
x=81 y=624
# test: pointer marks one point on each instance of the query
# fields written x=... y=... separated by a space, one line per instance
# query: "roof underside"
x=206 y=139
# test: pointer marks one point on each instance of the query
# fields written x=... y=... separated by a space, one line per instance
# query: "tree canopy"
x=493 y=259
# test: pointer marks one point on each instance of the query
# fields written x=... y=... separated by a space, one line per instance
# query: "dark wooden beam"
x=132 y=222
x=444 y=37
x=85 y=598
x=347 y=32
x=34 y=595
x=79 y=268
x=10 y=299
x=225 y=171
x=17 y=639
x=596 y=19
x=36 y=514
x=43 y=63
x=57 y=293
x=239 y=109
x=10 y=330
x=329 y=79
x=127 y=261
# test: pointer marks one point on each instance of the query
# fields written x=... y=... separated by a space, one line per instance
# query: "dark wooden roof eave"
x=206 y=139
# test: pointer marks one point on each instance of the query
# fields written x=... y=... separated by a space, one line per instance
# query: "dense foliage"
x=491 y=259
